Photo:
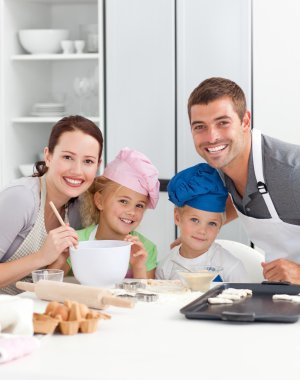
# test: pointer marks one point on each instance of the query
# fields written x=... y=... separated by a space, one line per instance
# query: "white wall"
x=276 y=68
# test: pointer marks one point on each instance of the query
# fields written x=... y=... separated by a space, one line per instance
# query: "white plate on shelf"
x=47 y=114
x=49 y=105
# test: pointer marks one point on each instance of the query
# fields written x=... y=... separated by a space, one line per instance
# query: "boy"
x=200 y=199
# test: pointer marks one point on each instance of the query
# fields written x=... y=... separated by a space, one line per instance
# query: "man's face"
x=218 y=133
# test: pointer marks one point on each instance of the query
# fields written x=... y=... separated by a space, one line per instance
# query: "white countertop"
x=155 y=341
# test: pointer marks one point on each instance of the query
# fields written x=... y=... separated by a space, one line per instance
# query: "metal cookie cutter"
x=129 y=296
x=131 y=286
x=146 y=297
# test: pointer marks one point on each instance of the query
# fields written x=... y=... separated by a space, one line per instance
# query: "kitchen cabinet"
x=140 y=95
x=213 y=39
x=29 y=78
x=157 y=52
x=151 y=54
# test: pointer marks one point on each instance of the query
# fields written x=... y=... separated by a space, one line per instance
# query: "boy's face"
x=198 y=229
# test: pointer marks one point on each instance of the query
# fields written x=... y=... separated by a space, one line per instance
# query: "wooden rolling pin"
x=96 y=298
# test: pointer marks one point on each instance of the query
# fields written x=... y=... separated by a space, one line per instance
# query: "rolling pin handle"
x=115 y=301
x=26 y=286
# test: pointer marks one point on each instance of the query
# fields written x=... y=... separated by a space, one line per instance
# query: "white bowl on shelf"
x=42 y=41
x=26 y=169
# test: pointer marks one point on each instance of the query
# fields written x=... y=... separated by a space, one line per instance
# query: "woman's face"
x=73 y=164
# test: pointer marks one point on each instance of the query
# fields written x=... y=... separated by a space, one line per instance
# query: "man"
x=262 y=174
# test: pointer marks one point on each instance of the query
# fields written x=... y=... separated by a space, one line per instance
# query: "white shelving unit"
x=46 y=120
x=54 y=57
x=26 y=79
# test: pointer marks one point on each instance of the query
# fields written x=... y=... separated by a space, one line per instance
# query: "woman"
x=31 y=237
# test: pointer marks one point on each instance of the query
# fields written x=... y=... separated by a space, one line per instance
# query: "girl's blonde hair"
x=88 y=210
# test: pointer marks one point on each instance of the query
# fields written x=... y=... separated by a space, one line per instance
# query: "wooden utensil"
x=57 y=214
x=54 y=209
x=96 y=298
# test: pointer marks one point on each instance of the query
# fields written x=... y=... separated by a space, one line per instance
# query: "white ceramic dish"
x=46 y=114
x=102 y=263
x=26 y=169
x=42 y=41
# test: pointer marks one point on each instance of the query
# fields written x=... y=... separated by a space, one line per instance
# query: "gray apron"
x=275 y=237
x=33 y=241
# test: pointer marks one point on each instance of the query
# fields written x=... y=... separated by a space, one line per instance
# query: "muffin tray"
x=68 y=318
x=260 y=307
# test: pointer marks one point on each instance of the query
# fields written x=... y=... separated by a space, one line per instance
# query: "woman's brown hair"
x=69 y=124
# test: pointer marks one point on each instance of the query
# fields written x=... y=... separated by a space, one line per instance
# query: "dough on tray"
x=218 y=300
x=287 y=297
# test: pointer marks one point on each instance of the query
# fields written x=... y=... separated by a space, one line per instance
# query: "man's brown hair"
x=215 y=88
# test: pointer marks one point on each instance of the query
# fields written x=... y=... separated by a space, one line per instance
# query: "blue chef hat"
x=199 y=187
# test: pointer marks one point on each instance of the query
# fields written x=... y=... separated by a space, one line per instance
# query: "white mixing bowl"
x=42 y=41
x=102 y=263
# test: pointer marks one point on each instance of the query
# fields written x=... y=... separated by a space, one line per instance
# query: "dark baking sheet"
x=259 y=307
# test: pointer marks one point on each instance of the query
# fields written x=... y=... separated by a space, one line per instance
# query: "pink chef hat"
x=134 y=170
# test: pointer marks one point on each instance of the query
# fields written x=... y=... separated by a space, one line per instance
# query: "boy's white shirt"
x=233 y=268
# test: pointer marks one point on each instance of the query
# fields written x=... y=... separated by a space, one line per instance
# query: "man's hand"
x=282 y=270
x=175 y=243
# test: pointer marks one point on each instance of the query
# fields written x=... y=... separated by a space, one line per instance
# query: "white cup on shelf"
x=79 y=46
x=67 y=46
x=92 y=42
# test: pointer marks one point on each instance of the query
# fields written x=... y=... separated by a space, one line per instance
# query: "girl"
x=114 y=207
x=31 y=236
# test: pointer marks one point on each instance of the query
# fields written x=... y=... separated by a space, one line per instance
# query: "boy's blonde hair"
x=88 y=211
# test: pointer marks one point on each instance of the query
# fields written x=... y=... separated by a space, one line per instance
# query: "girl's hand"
x=58 y=240
x=138 y=257
x=61 y=261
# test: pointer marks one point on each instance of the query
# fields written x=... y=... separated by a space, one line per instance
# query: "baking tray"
x=258 y=308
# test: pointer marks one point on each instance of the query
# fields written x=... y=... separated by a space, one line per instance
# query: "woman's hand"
x=138 y=257
x=57 y=242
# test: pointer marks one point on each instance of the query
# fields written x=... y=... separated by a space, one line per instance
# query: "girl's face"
x=198 y=229
x=121 y=211
x=73 y=164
